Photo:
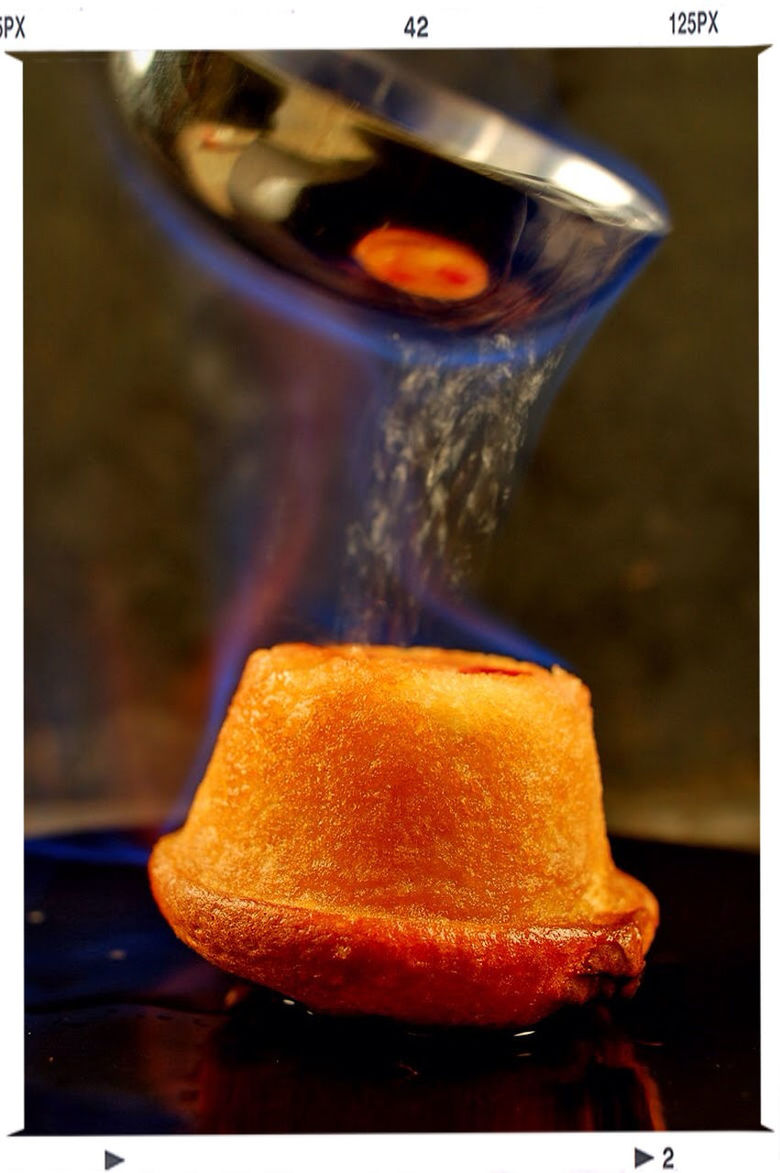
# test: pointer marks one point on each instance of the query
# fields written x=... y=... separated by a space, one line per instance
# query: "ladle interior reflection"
x=304 y=156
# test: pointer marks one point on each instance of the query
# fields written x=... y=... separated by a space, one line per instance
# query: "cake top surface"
x=409 y=661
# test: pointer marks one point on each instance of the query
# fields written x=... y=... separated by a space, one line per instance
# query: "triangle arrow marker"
x=112 y=1159
x=641 y=1158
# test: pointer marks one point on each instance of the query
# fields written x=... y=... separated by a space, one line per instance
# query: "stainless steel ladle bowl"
x=302 y=154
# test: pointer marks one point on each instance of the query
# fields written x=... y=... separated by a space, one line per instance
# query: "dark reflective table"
x=128 y=1031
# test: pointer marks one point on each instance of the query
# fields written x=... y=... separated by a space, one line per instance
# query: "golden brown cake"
x=408 y=832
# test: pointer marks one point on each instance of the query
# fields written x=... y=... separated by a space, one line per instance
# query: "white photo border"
x=100 y=26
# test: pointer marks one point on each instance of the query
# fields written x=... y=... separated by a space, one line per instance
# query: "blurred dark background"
x=630 y=547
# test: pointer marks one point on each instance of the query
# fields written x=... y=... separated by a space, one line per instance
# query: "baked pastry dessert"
x=408 y=832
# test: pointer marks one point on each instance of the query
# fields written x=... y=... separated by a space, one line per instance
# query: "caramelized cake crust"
x=410 y=832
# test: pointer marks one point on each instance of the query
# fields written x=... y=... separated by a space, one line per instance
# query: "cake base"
x=431 y=971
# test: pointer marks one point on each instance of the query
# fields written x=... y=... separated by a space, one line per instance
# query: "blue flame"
x=446 y=621
x=462 y=624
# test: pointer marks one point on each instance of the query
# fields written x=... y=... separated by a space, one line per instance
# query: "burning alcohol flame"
x=388 y=459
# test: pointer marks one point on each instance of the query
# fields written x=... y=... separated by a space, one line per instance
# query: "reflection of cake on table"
x=409 y=832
